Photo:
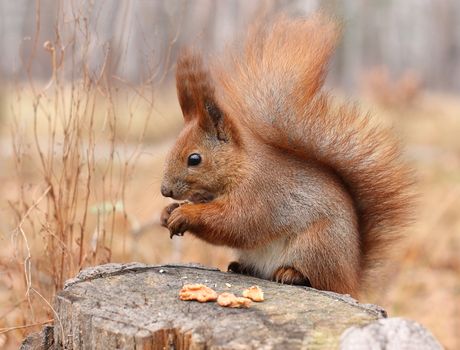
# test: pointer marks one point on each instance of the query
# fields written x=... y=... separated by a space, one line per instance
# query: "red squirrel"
x=306 y=190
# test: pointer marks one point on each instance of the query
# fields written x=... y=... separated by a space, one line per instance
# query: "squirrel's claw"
x=172 y=234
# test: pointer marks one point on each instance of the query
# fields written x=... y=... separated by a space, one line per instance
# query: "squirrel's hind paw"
x=289 y=275
x=239 y=268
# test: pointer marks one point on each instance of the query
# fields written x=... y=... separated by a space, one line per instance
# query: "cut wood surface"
x=136 y=306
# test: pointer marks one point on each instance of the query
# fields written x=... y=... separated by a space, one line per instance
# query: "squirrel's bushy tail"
x=272 y=85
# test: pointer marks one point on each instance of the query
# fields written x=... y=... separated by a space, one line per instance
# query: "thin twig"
x=9 y=329
x=27 y=263
x=52 y=309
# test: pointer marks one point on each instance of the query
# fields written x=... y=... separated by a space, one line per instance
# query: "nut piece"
x=254 y=293
x=230 y=300
x=198 y=292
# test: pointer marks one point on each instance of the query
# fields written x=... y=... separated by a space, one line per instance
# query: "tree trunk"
x=136 y=306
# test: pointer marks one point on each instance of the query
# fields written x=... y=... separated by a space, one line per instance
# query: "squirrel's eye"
x=193 y=159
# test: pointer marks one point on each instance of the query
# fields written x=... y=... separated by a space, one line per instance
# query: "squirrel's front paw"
x=177 y=223
x=166 y=213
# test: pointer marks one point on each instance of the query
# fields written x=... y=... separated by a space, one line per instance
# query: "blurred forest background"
x=88 y=111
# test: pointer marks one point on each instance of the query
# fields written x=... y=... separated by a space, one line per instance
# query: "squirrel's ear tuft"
x=195 y=91
x=193 y=84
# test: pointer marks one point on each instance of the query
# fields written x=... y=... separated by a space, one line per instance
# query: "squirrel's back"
x=272 y=86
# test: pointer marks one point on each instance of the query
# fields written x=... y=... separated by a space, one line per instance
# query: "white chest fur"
x=266 y=260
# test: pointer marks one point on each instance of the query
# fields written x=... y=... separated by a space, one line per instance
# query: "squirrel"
x=308 y=191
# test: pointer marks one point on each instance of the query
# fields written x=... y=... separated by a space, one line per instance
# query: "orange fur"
x=301 y=187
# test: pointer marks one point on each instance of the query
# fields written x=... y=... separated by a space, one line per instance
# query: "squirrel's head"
x=207 y=155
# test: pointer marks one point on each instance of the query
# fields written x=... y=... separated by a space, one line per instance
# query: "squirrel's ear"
x=192 y=83
x=216 y=122
x=195 y=91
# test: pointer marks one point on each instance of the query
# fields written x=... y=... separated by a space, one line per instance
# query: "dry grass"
x=72 y=151
x=392 y=92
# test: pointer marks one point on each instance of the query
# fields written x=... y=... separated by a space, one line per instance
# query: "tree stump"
x=136 y=306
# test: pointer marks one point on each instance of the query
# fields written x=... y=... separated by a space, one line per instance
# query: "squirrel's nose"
x=165 y=191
